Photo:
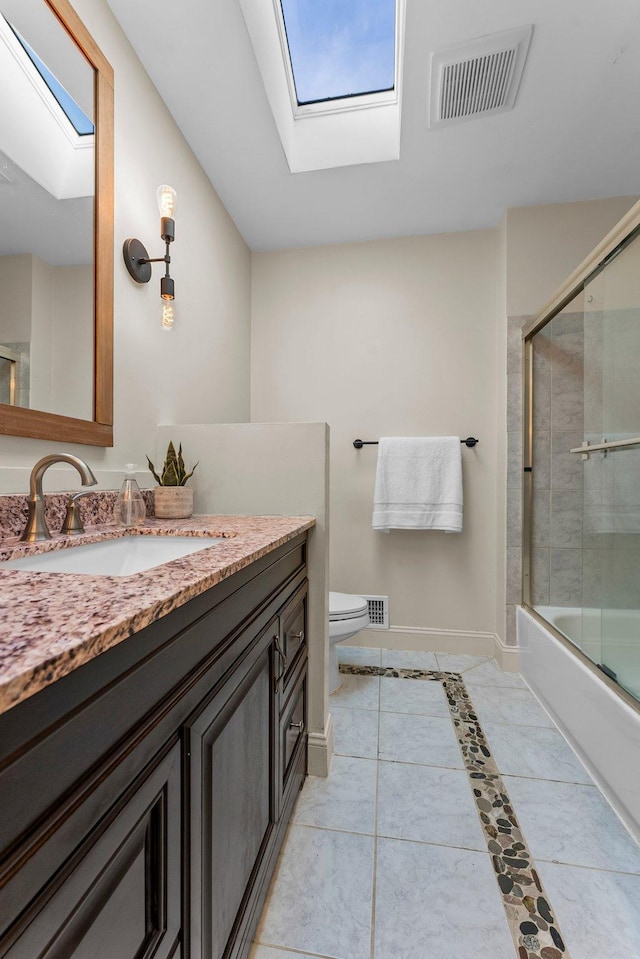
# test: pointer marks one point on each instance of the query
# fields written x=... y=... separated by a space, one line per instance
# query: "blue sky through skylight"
x=80 y=121
x=340 y=48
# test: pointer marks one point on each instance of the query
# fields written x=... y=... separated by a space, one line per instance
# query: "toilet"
x=347 y=616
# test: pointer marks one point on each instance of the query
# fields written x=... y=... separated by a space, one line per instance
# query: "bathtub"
x=599 y=723
x=620 y=647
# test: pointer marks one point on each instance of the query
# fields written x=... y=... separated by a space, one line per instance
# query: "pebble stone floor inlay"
x=387 y=858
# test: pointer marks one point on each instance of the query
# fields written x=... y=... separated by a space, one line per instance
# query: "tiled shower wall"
x=558 y=573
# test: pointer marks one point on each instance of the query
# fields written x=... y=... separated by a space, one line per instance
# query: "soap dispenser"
x=129 y=509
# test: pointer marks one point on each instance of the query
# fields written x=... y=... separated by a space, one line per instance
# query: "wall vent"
x=477 y=78
x=378 y=611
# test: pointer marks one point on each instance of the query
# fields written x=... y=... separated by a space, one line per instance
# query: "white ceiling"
x=58 y=231
x=574 y=133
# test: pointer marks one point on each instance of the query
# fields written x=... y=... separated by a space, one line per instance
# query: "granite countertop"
x=51 y=623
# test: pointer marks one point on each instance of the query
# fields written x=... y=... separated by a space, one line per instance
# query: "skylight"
x=340 y=49
x=78 y=119
x=332 y=72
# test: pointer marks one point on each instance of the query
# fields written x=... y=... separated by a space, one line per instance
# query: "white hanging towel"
x=418 y=483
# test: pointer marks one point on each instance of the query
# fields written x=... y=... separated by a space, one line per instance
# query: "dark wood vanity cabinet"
x=145 y=796
x=232 y=812
x=118 y=894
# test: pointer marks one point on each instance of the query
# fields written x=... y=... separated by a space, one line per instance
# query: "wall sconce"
x=138 y=262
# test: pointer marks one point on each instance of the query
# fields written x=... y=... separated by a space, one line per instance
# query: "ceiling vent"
x=477 y=78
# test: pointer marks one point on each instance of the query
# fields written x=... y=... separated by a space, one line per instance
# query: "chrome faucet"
x=36 y=528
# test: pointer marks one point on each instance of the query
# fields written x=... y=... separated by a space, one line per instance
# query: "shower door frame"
x=625 y=232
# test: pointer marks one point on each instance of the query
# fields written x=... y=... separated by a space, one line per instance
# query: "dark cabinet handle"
x=299 y=726
x=283 y=663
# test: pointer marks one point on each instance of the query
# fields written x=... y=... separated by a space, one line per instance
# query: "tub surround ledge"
x=601 y=727
x=52 y=623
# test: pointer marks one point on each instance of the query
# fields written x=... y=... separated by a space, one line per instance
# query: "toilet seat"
x=344 y=606
x=348 y=614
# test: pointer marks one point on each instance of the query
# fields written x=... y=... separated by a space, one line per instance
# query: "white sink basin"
x=114 y=557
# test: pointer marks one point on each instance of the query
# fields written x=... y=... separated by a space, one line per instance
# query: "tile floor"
x=386 y=858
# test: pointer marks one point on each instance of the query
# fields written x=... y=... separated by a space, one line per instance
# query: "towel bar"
x=470 y=442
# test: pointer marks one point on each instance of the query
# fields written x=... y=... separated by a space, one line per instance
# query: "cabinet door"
x=119 y=895
x=231 y=746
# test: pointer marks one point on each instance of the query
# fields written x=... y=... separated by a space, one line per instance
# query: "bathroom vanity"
x=145 y=793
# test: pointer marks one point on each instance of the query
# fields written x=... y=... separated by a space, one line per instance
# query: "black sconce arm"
x=138 y=261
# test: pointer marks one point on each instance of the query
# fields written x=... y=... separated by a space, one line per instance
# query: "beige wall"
x=394 y=337
x=72 y=305
x=59 y=329
x=41 y=339
x=15 y=283
x=200 y=371
x=546 y=243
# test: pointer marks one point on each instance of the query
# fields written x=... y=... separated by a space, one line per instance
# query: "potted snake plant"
x=173 y=499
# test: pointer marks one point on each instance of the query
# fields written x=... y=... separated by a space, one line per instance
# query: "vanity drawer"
x=293 y=729
x=293 y=634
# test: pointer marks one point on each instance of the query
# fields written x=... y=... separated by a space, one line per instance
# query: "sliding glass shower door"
x=612 y=476
x=582 y=494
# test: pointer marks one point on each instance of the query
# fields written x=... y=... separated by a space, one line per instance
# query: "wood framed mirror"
x=56 y=255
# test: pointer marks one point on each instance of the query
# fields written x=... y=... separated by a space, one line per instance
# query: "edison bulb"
x=167 y=314
x=166 y=200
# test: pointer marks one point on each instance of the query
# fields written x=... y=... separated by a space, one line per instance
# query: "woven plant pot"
x=173 y=502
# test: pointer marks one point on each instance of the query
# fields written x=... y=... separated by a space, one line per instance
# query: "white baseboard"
x=320 y=750
x=428 y=640
x=507 y=657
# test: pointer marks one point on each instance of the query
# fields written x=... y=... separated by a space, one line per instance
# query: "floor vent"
x=378 y=611
x=477 y=78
